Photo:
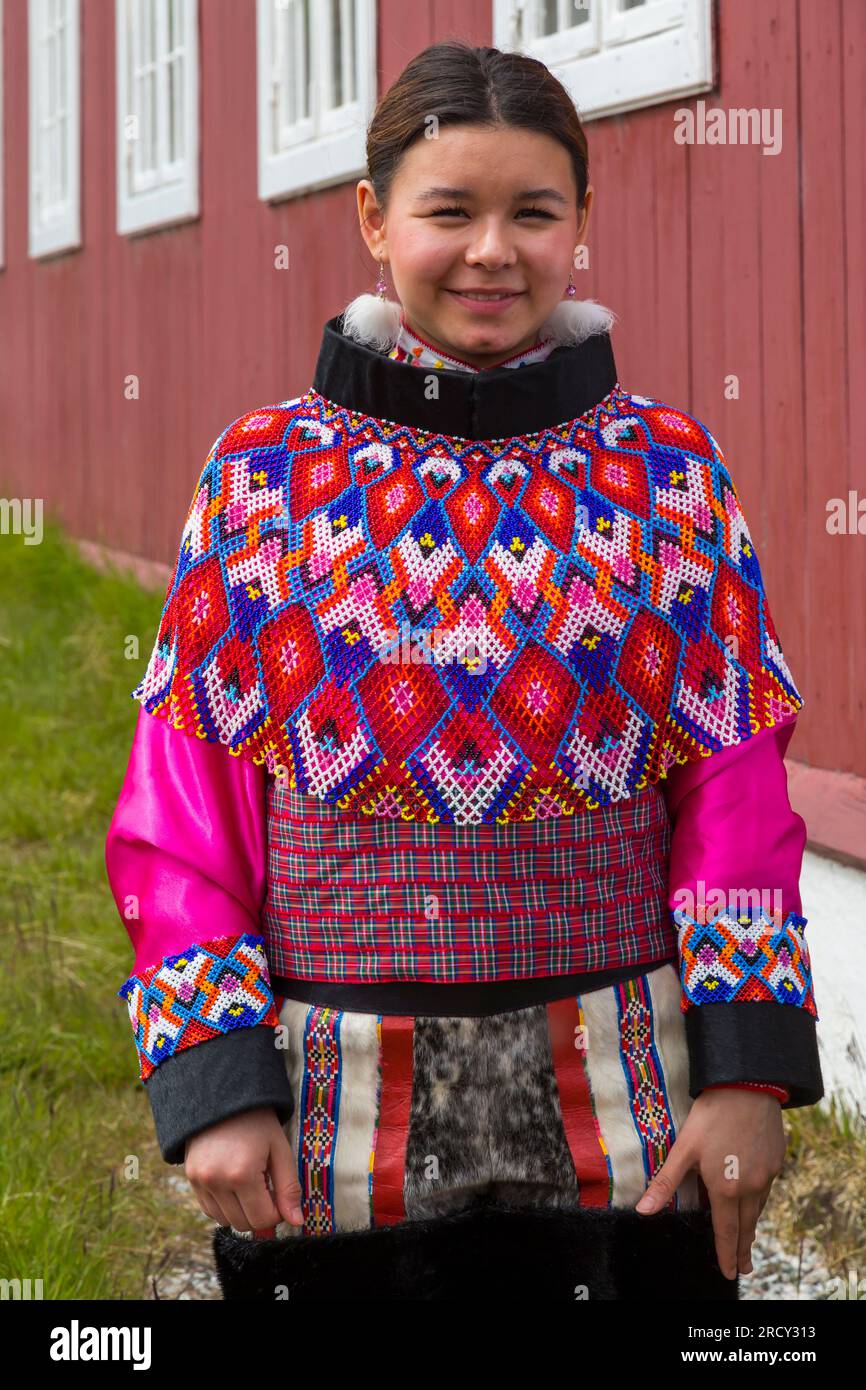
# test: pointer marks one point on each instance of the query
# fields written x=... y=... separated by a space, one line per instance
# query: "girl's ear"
x=583 y=221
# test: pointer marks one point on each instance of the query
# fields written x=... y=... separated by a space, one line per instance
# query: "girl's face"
x=475 y=209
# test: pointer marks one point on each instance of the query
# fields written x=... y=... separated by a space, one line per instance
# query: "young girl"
x=455 y=844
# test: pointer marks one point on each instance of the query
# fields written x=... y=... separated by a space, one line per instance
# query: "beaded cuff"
x=738 y=956
x=209 y=989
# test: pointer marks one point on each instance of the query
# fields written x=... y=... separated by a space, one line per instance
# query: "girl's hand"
x=736 y=1140
x=228 y=1166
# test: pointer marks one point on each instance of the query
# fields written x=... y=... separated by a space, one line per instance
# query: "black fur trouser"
x=496 y=1156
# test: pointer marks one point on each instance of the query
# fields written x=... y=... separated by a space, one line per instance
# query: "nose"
x=491 y=246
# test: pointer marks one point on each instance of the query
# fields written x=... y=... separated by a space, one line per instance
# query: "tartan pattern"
x=378 y=899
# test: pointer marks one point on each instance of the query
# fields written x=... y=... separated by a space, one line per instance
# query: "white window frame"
x=619 y=60
x=55 y=227
x=171 y=193
x=328 y=145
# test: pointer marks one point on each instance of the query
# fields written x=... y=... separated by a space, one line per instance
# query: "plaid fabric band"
x=376 y=898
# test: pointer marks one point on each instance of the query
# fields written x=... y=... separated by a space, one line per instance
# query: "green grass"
x=84 y=1200
x=820 y=1195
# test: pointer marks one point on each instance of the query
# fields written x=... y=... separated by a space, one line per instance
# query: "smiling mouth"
x=484 y=297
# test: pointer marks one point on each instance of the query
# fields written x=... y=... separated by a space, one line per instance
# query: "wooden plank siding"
x=718 y=260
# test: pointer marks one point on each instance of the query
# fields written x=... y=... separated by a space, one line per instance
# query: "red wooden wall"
x=718 y=260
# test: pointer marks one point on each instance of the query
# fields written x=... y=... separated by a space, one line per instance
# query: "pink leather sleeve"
x=733 y=823
x=734 y=832
x=186 y=857
x=188 y=839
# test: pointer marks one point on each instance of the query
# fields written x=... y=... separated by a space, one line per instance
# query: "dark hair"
x=463 y=85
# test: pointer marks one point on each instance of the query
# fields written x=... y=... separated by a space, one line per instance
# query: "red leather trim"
x=575 y=1099
x=389 y=1159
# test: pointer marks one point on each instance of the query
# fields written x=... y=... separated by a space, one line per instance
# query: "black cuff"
x=212 y=1081
x=755 y=1040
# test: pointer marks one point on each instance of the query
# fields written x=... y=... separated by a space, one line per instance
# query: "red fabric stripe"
x=389 y=1160
x=578 y=1118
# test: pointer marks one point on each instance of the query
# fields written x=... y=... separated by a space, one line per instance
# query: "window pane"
x=557 y=15
x=291 y=99
x=336 y=54
x=305 y=105
x=349 y=31
x=150 y=86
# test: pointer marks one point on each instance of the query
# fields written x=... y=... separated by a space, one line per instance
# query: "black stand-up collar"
x=494 y=403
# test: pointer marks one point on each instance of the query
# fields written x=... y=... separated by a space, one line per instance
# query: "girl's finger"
x=749 y=1212
x=664 y=1183
x=230 y=1204
x=726 y=1229
x=209 y=1204
x=258 y=1204
x=287 y=1190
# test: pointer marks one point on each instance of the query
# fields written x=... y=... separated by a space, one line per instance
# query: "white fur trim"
x=376 y=322
x=373 y=321
x=573 y=320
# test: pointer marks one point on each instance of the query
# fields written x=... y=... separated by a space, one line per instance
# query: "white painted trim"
x=169 y=193
x=329 y=146
x=55 y=228
x=658 y=52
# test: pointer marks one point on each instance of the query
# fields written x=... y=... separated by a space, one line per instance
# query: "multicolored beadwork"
x=211 y=988
x=602 y=571
x=742 y=955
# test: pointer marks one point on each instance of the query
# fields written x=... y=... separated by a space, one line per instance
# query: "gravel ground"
x=193 y=1276
x=777 y=1275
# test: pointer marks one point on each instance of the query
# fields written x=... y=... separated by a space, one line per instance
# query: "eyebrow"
x=429 y=195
